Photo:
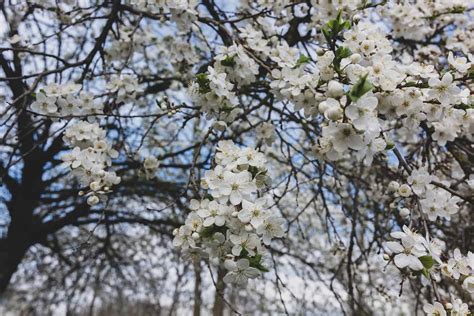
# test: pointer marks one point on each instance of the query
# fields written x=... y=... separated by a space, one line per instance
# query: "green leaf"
x=255 y=262
x=207 y=232
x=228 y=61
x=327 y=34
x=426 y=273
x=427 y=261
x=302 y=60
x=203 y=83
x=332 y=28
x=360 y=88
x=389 y=146
x=341 y=53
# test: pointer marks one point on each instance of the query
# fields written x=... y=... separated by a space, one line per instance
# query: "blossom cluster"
x=61 y=101
x=347 y=81
x=90 y=159
x=434 y=201
x=420 y=255
x=233 y=223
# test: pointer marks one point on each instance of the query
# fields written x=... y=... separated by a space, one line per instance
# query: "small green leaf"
x=360 y=88
x=228 y=61
x=302 y=60
x=346 y=25
x=389 y=146
x=332 y=28
x=203 y=83
x=426 y=273
x=255 y=262
x=427 y=261
x=341 y=53
x=327 y=34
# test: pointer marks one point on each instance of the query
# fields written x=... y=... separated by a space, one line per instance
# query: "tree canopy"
x=237 y=157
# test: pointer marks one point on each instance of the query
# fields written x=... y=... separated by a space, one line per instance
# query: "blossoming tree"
x=294 y=157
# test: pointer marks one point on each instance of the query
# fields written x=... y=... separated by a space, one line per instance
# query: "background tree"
x=353 y=127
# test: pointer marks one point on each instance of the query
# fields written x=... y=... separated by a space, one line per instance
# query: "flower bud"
x=404 y=212
x=355 y=58
x=95 y=185
x=386 y=257
x=220 y=126
x=195 y=236
x=322 y=107
x=448 y=305
x=319 y=51
x=404 y=190
x=335 y=89
x=92 y=200
x=393 y=186
x=334 y=114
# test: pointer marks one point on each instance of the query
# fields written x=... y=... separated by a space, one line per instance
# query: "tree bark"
x=218 y=308
x=197 y=288
x=12 y=250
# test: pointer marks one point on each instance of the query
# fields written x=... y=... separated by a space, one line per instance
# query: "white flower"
x=406 y=255
x=44 y=105
x=460 y=64
x=468 y=284
x=342 y=136
x=251 y=157
x=436 y=309
x=435 y=248
x=151 y=163
x=69 y=105
x=404 y=190
x=410 y=249
x=214 y=213
x=194 y=221
x=458 y=265
x=266 y=132
x=443 y=90
x=459 y=308
x=419 y=179
x=373 y=145
x=253 y=213
x=239 y=272
x=236 y=186
x=183 y=238
x=244 y=241
x=362 y=113
x=270 y=228
x=439 y=202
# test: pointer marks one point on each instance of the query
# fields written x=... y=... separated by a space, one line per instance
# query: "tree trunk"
x=12 y=250
x=197 y=288
x=19 y=237
x=218 y=308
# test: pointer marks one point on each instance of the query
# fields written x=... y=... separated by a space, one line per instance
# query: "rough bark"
x=218 y=308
